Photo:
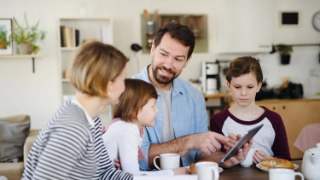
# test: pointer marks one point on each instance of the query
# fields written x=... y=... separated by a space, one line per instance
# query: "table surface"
x=252 y=173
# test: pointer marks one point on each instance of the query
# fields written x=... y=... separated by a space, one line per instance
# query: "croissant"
x=192 y=168
x=276 y=163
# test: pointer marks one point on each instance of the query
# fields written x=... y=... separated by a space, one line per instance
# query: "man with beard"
x=181 y=124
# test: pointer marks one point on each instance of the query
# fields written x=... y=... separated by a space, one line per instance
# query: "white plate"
x=219 y=169
x=296 y=166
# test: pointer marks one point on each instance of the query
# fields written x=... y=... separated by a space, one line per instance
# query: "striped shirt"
x=68 y=147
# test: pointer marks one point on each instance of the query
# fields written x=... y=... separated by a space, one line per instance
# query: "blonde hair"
x=93 y=66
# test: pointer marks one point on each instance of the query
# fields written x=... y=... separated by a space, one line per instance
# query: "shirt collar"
x=89 y=119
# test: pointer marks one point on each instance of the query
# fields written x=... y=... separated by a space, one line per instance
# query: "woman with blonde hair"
x=69 y=146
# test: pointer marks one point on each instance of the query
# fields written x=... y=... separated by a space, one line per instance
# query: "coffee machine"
x=210 y=78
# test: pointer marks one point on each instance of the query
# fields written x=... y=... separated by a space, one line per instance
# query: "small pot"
x=24 y=48
x=3 y=44
x=285 y=59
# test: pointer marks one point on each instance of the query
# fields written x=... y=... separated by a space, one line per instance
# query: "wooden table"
x=220 y=96
x=252 y=173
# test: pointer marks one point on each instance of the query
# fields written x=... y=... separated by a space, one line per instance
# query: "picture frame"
x=6 y=25
x=289 y=18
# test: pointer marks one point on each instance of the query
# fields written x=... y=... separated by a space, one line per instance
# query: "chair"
x=14 y=171
x=308 y=137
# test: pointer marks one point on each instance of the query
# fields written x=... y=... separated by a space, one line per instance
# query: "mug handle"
x=154 y=162
x=299 y=174
x=215 y=173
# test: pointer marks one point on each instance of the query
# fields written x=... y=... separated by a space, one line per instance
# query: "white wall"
x=38 y=94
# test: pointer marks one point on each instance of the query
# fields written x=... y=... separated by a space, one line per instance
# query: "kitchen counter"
x=221 y=96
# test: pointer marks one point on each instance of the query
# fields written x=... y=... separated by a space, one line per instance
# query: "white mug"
x=207 y=170
x=167 y=161
x=281 y=174
x=249 y=158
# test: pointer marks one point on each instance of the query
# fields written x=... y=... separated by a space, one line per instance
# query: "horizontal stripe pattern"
x=67 y=147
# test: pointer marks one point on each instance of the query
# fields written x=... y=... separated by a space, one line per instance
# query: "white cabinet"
x=100 y=29
x=243 y=26
x=89 y=28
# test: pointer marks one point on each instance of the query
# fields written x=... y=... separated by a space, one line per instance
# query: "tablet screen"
x=245 y=138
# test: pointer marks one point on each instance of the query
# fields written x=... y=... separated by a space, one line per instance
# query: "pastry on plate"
x=193 y=168
x=276 y=163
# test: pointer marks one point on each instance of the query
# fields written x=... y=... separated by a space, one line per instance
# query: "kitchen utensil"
x=146 y=14
x=155 y=15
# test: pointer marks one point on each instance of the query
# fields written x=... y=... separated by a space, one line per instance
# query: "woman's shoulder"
x=69 y=118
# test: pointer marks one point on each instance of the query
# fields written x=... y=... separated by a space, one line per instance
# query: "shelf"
x=83 y=18
x=32 y=56
x=19 y=56
x=68 y=48
x=100 y=29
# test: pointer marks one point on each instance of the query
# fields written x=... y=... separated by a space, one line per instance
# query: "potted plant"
x=27 y=37
x=3 y=39
x=285 y=51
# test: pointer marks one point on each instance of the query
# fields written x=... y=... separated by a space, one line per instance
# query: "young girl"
x=244 y=80
x=135 y=110
x=70 y=146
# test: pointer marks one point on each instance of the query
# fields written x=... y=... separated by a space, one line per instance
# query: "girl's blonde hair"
x=93 y=66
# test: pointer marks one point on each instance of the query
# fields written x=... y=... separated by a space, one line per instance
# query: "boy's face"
x=244 y=88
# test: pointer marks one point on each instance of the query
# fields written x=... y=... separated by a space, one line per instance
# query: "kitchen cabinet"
x=197 y=23
x=243 y=26
x=295 y=114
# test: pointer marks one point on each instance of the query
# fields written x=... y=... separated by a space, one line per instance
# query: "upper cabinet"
x=243 y=26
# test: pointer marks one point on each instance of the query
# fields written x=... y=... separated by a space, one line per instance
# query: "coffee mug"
x=207 y=170
x=167 y=161
x=281 y=174
x=249 y=158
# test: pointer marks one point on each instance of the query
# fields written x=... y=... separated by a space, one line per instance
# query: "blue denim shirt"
x=188 y=113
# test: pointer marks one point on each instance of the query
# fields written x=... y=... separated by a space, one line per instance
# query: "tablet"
x=245 y=138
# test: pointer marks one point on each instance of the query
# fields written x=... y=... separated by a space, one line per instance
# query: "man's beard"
x=163 y=79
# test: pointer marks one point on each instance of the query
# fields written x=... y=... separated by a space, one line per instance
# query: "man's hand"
x=118 y=165
x=208 y=142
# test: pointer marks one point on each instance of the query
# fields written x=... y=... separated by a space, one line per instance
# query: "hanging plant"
x=285 y=53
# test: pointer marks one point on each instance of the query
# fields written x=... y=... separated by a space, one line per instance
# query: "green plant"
x=284 y=49
x=27 y=35
x=3 y=36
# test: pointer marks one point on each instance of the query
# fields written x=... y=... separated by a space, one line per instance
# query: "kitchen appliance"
x=210 y=78
x=311 y=163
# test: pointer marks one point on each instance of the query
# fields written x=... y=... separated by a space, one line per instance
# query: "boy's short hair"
x=244 y=65
x=93 y=66
x=136 y=95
